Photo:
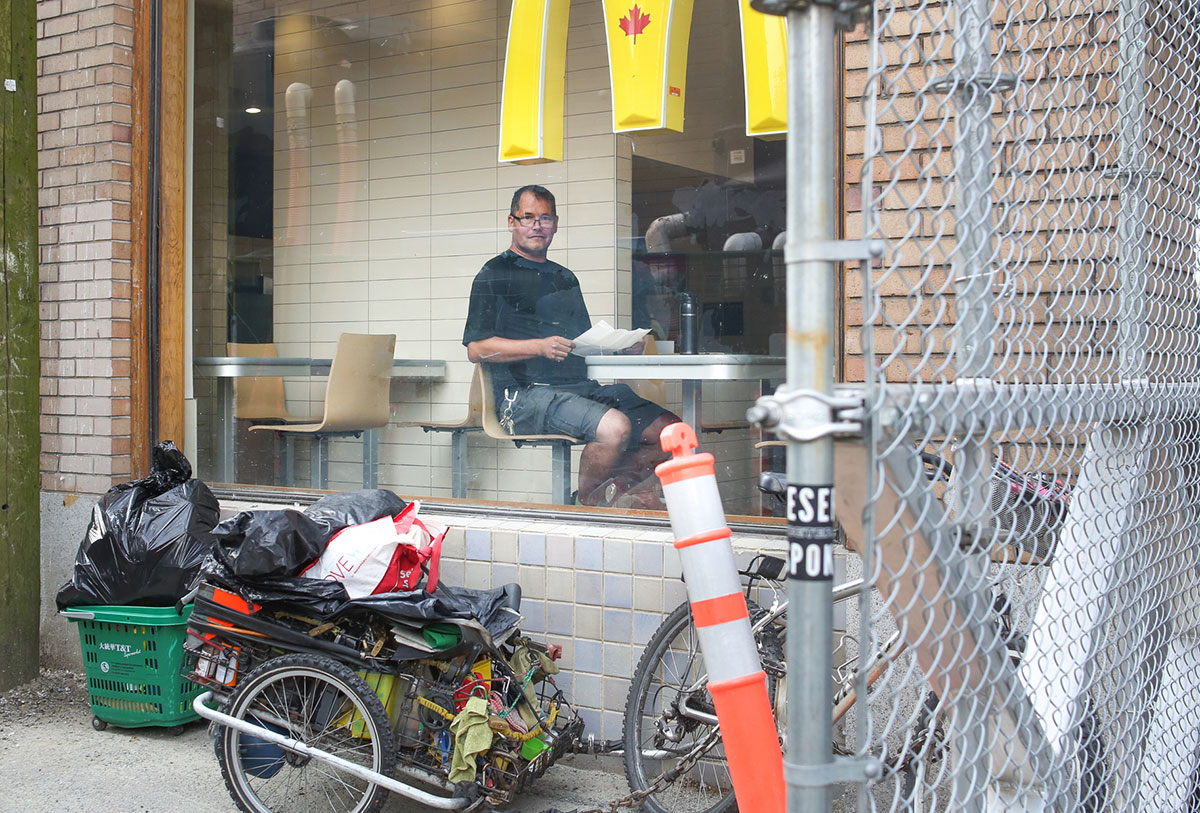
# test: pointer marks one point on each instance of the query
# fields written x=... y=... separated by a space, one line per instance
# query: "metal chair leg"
x=320 y=462
x=287 y=462
x=560 y=487
x=458 y=464
x=370 y=442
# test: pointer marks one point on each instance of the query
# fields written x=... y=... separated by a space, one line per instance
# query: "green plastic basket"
x=133 y=657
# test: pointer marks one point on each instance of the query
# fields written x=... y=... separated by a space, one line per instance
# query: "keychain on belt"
x=506 y=416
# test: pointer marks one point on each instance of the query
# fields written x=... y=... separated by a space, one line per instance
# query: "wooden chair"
x=260 y=398
x=472 y=422
x=560 y=445
x=357 y=402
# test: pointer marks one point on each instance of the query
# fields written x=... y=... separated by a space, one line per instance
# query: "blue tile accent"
x=618 y=590
x=532 y=549
x=618 y=556
x=503 y=574
x=644 y=625
x=617 y=624
x=612 y=724
x=588 y=656
x=589 y=553
x=593 y=722
x=588 y=588
x=452 y=573
x=535 y=616
x=648 y=558
x=672 y=567
x=560 y=618
x=565 y=681
x=479 y=544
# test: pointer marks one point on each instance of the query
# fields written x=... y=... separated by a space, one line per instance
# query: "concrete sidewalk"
x=51 y=759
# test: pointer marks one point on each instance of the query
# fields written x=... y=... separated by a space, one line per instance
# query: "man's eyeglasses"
x=546 y=221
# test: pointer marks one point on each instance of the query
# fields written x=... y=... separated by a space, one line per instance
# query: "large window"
x=345 y=180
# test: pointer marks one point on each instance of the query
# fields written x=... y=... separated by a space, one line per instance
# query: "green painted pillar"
x=20 y=440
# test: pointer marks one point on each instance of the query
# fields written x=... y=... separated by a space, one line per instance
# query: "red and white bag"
x=383 y=556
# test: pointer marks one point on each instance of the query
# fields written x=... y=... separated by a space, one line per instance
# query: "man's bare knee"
x=651 y=433
x=614 y=429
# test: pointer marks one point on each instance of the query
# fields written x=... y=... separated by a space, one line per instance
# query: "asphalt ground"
x=51 y=759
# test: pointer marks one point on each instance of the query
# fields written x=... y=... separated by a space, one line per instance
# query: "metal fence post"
x=811 y=309
x=973 y=266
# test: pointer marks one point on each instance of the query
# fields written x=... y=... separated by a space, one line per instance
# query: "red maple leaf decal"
x=635 y=23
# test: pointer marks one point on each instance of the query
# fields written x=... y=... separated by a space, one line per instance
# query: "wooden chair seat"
x=357 y=402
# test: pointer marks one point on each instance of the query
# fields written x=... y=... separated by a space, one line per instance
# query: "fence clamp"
x=805 y=415
x=841 y=770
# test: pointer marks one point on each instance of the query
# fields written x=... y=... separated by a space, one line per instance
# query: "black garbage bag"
x=267 y=544
x=147 y=538
x=281 y=543
x=337 y=511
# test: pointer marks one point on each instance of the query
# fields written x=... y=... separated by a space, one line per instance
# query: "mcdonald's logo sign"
x=764 y=67
x=531 y=123
x=647 y=60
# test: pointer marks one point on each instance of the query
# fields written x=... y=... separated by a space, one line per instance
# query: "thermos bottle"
x=689 y=324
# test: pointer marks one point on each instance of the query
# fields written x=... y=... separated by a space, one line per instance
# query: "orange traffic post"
x=736 y=680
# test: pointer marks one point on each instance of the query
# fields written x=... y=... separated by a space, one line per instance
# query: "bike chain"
x=663 y=780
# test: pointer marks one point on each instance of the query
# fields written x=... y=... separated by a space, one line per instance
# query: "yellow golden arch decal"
x=647 y=62
x=764 y=66
x=647 y=58
x=531 y=123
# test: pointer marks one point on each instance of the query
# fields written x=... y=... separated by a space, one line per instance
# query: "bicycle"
x=671 y=740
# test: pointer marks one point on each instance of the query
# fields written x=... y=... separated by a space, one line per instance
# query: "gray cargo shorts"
x=576 y=409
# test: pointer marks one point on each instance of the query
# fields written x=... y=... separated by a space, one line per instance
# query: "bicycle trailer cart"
x=132 y=658
x=330 y=704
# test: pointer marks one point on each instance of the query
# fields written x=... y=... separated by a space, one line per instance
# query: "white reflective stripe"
x=728 y=650
x=694 y=505
x=709 y=570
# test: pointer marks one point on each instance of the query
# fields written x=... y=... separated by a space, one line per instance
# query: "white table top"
x=699 y=367
x=249 y=366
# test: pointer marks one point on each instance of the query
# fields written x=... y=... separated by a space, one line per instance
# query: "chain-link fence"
x=1032 y=170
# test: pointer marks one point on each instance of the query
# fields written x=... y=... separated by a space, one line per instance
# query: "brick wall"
x=85 y=54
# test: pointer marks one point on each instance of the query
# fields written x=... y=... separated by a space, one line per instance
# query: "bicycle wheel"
x=669 y=717
x=323 y=704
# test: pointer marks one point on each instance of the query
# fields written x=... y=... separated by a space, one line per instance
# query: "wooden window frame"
x=159 y=209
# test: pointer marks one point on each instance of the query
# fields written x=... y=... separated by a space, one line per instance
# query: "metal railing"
x=1030 y=170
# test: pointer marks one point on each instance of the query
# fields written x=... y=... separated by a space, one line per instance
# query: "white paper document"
x=604 y=338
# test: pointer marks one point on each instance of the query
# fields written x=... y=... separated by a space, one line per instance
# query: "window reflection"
x=365 y=195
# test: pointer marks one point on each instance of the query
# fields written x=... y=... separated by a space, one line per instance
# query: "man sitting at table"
x=523 y=313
